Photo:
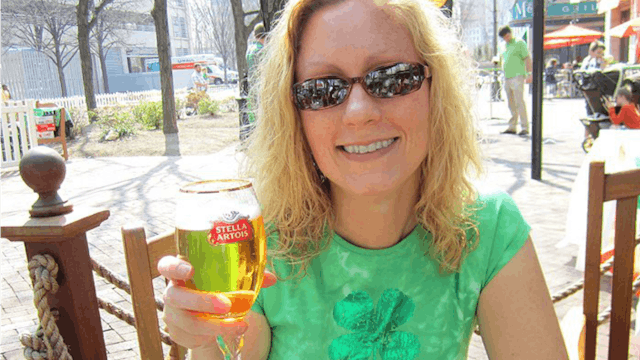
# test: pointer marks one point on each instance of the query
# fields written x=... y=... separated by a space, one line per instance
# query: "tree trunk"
x=159 y=14
x=82 y=16
x=63 y=83
x=103 y=66
x=241 y=32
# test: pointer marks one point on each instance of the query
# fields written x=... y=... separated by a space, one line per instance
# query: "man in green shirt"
x=517 y=65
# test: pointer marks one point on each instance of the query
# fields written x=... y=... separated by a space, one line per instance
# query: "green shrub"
x=179 y=106
x=208 y=106
x=194 y=98
x=118 y=122
x=149 y=114
x=80 y=119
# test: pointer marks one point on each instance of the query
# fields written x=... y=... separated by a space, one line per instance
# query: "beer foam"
x=196 y=214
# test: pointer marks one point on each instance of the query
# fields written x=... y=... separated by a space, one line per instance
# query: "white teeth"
x=363 y=149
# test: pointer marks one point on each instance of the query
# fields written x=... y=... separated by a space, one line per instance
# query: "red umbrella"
x=572 y=32
x=570 y=35
x=558 y=43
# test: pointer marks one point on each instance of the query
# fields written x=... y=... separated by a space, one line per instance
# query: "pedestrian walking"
x=550 y=79
x=517 y=66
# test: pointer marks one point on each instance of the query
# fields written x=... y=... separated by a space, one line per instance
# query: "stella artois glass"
x=220 y=231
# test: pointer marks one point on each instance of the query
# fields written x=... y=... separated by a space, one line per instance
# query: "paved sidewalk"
x=138 y=189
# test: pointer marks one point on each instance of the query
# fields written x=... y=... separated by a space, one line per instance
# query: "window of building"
x=180 y=27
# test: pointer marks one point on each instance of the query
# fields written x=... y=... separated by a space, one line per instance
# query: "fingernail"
x=221 y=303
x=183 y=270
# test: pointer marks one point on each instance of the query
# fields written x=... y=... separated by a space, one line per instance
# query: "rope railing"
x=116 y=280
x=46 y=343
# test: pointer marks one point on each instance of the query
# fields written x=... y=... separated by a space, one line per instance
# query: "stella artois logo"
x=230 y=229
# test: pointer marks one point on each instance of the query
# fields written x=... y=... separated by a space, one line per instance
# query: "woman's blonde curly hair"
x=296 y=201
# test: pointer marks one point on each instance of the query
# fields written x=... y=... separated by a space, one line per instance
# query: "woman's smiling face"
x=349 y=40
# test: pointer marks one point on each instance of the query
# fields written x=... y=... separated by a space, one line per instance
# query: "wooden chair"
x=142 y=256
x=62 y=135
x=624 y=188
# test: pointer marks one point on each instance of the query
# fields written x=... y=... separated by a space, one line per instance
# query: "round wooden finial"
x=43 y=170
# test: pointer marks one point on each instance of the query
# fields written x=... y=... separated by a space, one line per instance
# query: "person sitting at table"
x=626 y=111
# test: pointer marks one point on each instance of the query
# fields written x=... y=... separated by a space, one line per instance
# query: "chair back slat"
x=624 y=188
x=158 y=247
x=622 y=185
x=142 y=295
x=592 y=258
x=625 y=229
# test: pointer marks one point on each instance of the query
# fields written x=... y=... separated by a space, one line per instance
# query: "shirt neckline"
x=407 y=244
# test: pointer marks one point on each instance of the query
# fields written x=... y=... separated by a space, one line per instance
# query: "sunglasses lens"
x=320 y=93
x=399 y=79
x=396 y=80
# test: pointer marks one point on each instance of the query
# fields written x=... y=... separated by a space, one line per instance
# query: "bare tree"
x=109 y=32
x=161 y=19
x=24 y=23
x=218 y=20
x=269 y=9
x=87 y=13
x=8 y=33
x=242 y=30
x=46 y=26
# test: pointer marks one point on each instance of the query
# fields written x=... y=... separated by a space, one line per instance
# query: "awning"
x=631 y=27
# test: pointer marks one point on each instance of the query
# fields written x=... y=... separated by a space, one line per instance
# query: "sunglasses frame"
x=360 y=79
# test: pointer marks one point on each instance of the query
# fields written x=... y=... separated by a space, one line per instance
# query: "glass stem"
x=230 y=346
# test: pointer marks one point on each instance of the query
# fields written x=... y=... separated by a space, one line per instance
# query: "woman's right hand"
x=184 y=326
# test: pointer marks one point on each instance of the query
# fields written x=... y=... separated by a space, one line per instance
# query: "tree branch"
x=96 y=12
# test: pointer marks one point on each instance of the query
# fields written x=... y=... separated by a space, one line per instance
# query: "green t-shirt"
x=513 y=58
x=357 y=303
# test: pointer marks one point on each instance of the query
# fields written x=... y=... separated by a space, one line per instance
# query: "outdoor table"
x=620 y=150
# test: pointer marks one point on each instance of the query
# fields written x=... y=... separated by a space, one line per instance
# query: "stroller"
x=597 y=86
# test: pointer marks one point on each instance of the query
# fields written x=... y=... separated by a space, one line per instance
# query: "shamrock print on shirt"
x=374 y=329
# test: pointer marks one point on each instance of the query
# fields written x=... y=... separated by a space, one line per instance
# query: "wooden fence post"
x=55 y=228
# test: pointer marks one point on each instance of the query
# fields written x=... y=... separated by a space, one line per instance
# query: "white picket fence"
x=19 y=134
x=18 y=131
x=102 y=100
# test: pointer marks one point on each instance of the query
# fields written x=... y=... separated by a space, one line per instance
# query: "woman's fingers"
x=175 y=269
x=185 y=298
x=194 y=331
x=269 y=279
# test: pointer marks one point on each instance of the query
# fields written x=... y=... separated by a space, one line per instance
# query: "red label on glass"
x=230 y=230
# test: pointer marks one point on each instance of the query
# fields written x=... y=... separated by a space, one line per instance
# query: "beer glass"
x=220 y=231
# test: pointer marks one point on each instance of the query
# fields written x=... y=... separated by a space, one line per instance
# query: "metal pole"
x=495 y=28
x=536 y=120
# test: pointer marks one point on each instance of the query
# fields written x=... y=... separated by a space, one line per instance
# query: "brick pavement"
x=143 y=188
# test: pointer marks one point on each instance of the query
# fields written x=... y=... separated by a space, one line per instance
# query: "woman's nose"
x=361 y=108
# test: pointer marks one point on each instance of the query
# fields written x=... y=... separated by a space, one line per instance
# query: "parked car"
x=232 y=76
x=215 y=75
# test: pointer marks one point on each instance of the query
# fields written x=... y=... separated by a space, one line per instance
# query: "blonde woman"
x=382 y=247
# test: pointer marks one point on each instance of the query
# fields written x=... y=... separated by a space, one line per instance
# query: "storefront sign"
x=523 y=9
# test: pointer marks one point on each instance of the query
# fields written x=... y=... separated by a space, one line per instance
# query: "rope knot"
x=46 y=343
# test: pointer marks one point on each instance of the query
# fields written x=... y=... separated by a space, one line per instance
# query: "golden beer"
x=227 y=248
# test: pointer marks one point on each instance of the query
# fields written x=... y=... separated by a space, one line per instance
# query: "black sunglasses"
x=385 y=82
